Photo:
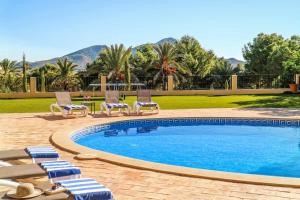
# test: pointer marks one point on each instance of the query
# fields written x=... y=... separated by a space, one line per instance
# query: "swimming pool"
x=250 y=146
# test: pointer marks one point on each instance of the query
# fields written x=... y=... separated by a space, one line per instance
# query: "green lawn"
x=168 y=102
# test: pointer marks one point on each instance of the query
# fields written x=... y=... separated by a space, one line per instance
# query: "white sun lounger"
x=64 y=104
x=144 y=100
x=112 y=101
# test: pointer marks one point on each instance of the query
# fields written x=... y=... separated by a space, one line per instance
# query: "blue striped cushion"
x=42 y=152
x=147 y=104
x=117 y=105
x=59 y=168
x=74 y=107
x=87 y=189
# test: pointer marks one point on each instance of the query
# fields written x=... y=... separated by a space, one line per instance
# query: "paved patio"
x=21 y=130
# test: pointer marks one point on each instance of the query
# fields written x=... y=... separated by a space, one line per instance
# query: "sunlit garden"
x=149 y=100
x=178 y=102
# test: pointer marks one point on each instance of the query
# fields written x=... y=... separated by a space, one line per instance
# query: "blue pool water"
x=251 y=149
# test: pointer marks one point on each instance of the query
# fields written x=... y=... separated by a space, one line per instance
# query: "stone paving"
x=21 y=130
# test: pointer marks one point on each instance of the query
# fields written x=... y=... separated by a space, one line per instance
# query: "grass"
x=168 y=102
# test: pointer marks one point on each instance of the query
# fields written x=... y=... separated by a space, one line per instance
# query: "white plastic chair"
x=65 y=106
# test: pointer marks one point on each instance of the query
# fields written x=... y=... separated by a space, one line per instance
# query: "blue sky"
x=45 y=29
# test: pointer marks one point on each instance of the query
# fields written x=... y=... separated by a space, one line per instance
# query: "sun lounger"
x=64 y=104
x=55 y=170
x=84 y=188
x=144 y=100
x=37 y=153
x=21 y=171
x=112 y=101
x=60 y=196
x=13 y=154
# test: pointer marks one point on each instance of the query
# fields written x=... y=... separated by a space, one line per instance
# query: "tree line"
x=267 y=54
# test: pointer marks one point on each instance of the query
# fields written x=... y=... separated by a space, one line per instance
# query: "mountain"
x=86 y=55
x=234 y=62
x=89 y=54
x=167 y=40
x=80 y=57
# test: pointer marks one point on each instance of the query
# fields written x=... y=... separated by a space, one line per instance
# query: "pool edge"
x=62 y=139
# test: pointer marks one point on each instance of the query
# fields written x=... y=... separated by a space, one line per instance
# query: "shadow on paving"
x=58 y=116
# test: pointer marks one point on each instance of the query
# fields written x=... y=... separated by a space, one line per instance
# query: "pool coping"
x=63 y=140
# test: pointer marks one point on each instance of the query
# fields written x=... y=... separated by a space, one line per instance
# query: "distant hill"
x=80 y=57
x=86 y=55
x=165 y=40
x=89 y=54
x=234 y=62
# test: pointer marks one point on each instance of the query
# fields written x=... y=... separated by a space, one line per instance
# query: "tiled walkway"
x=21 y=130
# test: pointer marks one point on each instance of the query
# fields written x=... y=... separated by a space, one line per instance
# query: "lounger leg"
x=134 y=107
x=52 y=109
x=86 y=111
x=128 y=110
x=102 y=108
x=65 y=113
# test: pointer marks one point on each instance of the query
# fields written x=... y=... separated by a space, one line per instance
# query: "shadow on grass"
x=286 y=105
x=271 y=101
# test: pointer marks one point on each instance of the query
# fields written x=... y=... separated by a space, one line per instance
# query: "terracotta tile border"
x=62 y=139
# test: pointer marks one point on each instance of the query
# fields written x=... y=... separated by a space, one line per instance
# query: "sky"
x=44 y=29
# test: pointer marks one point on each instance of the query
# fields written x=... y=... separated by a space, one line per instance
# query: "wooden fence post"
x=170 y=83
x=103 y=84
x=32 y=84
x=234 y=85
x=297 y=80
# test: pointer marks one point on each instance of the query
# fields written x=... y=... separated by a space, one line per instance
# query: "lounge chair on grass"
x=64 y=104
x=144 y=100
x=36 y=153
x=112 y=102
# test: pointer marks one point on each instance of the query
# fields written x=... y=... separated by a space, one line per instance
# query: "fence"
x=263 y=81
x=72 y=84
x=93 y=83
x=168 y=85
x=204 y=83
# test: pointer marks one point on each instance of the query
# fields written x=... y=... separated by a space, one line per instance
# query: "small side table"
x=91 y=104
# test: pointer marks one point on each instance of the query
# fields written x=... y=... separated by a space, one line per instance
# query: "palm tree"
x=115 y=59
x=46 y=74
x=66 y=77
x=223 y=68
x=223 y=72
x=166 y=64
x=9 y=77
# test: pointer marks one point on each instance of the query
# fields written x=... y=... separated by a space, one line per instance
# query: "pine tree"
x=43 y=85
x=24 y=66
